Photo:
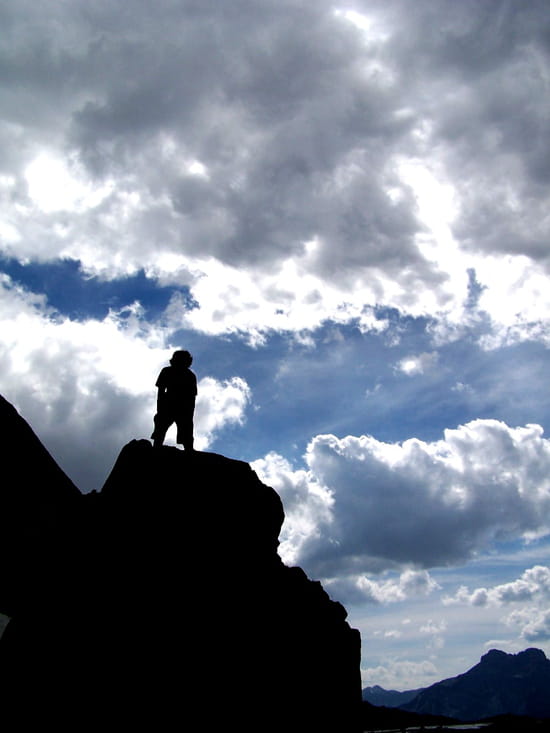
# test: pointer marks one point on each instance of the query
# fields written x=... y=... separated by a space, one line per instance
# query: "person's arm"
x=194 y=382
x=160 y=393
x=161 y=390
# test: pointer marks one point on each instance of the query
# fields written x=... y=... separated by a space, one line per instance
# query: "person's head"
x=181 y=359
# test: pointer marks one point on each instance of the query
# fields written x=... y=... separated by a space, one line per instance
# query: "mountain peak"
x=526 y=659
x=494 y=656
x=497 y=656
x=499 y=684
x=533 y=653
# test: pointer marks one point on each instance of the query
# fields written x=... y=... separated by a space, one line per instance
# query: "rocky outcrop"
x=499 y=684
x=161 y=600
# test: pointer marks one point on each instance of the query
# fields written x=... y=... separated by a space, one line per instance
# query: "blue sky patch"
x=79 y=296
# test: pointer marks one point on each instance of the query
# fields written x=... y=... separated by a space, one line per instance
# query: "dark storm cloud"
x=271 y=98
x=242 y=131
x=275 y=105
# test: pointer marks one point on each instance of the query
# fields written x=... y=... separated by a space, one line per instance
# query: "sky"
x=342 y=209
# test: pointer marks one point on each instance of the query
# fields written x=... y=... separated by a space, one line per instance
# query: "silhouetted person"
x=177 y=390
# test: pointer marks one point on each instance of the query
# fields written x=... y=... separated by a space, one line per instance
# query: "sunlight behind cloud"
x=418 y=363
x=368 y=25
x=53 y=187
x=436 y=202
x=196 y=168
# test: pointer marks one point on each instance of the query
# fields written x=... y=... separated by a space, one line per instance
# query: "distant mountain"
x=500 y=684
x=377 y=695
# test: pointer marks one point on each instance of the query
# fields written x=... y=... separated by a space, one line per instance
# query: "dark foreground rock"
x=161 y=601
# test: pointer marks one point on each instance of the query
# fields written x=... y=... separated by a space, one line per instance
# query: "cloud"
x=362 y=589
x=307 y=505
x=419 y=504
x=434 y=630
x=52 y=187
x=251 y=303
x=534 y=584
x=530 y=592
x=401 y=674
x=418 y=364
x=432 y=627
x=88 y=387
x=290 y=163
x=532 y=621
x=219 y=404
x=537 y=629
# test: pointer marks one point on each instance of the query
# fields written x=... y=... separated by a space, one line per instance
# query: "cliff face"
x=161 y=599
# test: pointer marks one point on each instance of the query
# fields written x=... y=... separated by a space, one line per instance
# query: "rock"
x=161 y=601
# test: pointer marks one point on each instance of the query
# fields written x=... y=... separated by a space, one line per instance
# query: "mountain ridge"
x=499 y=684
x=377 y=695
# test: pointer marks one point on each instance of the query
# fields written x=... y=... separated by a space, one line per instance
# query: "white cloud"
x=219 y=403
x=432 y=627
x=435 y=631
x=362 y=589
x=401 y=674
x=517 y=299
x=534 y=584
x=537 y=628
x=252 y=302
x=529 y=593
x=419 y=503
x=52 y=186
x=418 y=364
x=306 y=504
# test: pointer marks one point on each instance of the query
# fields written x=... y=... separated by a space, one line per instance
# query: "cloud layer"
x=371 y=505
x=291 y=163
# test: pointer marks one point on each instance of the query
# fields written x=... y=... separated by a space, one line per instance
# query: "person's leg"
x=162 y=423
x=184 y=423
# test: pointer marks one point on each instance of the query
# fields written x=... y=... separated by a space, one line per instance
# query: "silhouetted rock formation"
x=499 y=684
x=161 y=600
